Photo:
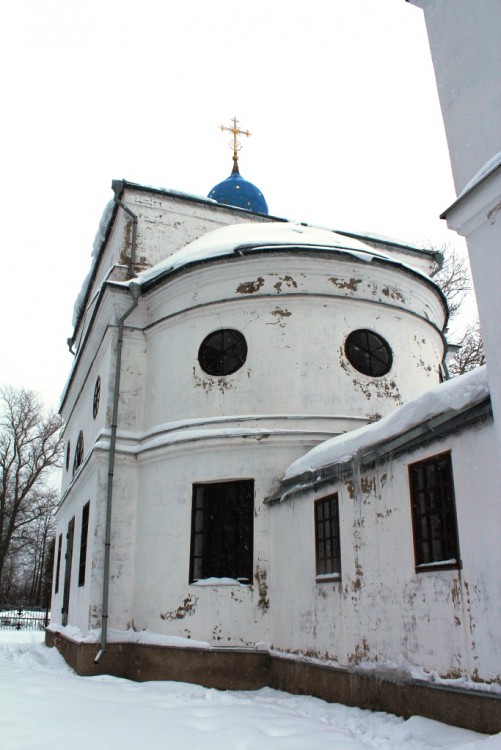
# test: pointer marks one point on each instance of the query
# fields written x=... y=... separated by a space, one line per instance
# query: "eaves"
x=429 y=431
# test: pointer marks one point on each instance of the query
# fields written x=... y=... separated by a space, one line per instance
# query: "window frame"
x=215 y=543
x=96 y=397
x=84 y=536
x=58 y=563
x=362 y=347
x=223 y=352
x=442 y=495
x=333 y=523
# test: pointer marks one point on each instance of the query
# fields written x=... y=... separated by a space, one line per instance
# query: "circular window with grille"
x=369 y=353
x=222 y=352
x=97 y=395
x=79 y=452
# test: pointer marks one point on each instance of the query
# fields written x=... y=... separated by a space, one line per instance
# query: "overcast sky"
x=339 y=95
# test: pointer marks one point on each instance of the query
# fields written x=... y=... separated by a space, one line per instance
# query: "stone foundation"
x=234 y=669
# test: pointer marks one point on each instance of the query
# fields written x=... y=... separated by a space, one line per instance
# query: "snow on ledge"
x=452 y=396
x=490 y=165
x=126 y=636
x=401 y=670
x=146 y=637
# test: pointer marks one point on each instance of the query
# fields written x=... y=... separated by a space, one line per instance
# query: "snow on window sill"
x=221 y=582
x=326 y=577
x=451 y=564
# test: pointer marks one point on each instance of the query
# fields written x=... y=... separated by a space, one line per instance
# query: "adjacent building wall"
x=382 y=612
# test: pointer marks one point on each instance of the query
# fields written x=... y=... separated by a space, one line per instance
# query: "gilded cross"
x=235 y=145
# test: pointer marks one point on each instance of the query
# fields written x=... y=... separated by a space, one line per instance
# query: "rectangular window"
x=83 y=544
x=327 y=537
x=67 y=571
x=58 y=562
x=434 y=513
x=222 y=531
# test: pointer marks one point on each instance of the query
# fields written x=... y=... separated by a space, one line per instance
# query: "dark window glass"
x=79 y=452
x=434 y=512
x=58 y=562
x=67 y=571
x=369 y=353
x=222 y=352
x=328 y=547
x=68 y=451
x=97 y=395
x=83 y=544
x=222 y=532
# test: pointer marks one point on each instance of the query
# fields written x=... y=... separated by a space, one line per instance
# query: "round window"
x=97 y=395
x=369 y=353
x=222 y=352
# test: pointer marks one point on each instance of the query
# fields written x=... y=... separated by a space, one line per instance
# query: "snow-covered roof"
x=451 y=397
x=231 y=239
x=384 y=239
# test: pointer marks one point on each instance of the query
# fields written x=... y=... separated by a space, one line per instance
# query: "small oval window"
x=222 y=352
x=369 y=353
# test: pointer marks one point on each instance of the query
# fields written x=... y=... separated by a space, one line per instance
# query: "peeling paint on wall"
x=351 y=284
x=382 y=388
x=208 y=383
x=393 y=294
x=250 y=287
x=360 y=653
x=260 y=576
x=281 y=316
x=287 y=280
x=186 y=608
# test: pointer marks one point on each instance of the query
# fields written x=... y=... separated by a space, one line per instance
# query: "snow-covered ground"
x=44 y=704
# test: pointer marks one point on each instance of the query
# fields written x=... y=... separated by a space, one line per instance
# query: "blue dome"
x=235 y=191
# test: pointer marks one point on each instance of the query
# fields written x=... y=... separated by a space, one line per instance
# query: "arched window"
x=79 y=452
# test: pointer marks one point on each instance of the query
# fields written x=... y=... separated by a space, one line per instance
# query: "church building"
x=266 y=479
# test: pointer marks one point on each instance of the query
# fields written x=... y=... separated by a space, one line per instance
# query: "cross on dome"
x=235 y=191
x=235 y=144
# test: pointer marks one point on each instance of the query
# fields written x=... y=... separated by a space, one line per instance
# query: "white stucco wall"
x=177 y=425
x=295 y=313
x=85 y=489
x=164 y=601
x=165 y=224
x=382 y=611
x=464 y=40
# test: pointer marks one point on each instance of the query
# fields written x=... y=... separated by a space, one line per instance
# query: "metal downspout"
x=135 y=291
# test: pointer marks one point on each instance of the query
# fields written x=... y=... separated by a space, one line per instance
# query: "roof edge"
x=429 y=431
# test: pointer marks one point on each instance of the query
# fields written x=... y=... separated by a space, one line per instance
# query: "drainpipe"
x=135 y=291
x=132 y=263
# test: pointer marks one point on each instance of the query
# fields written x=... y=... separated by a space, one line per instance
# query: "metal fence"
x=23 y=617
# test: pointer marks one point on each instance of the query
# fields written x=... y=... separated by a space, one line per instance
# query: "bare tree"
x=30 y=446
x=471 y=351
x=454 y=279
